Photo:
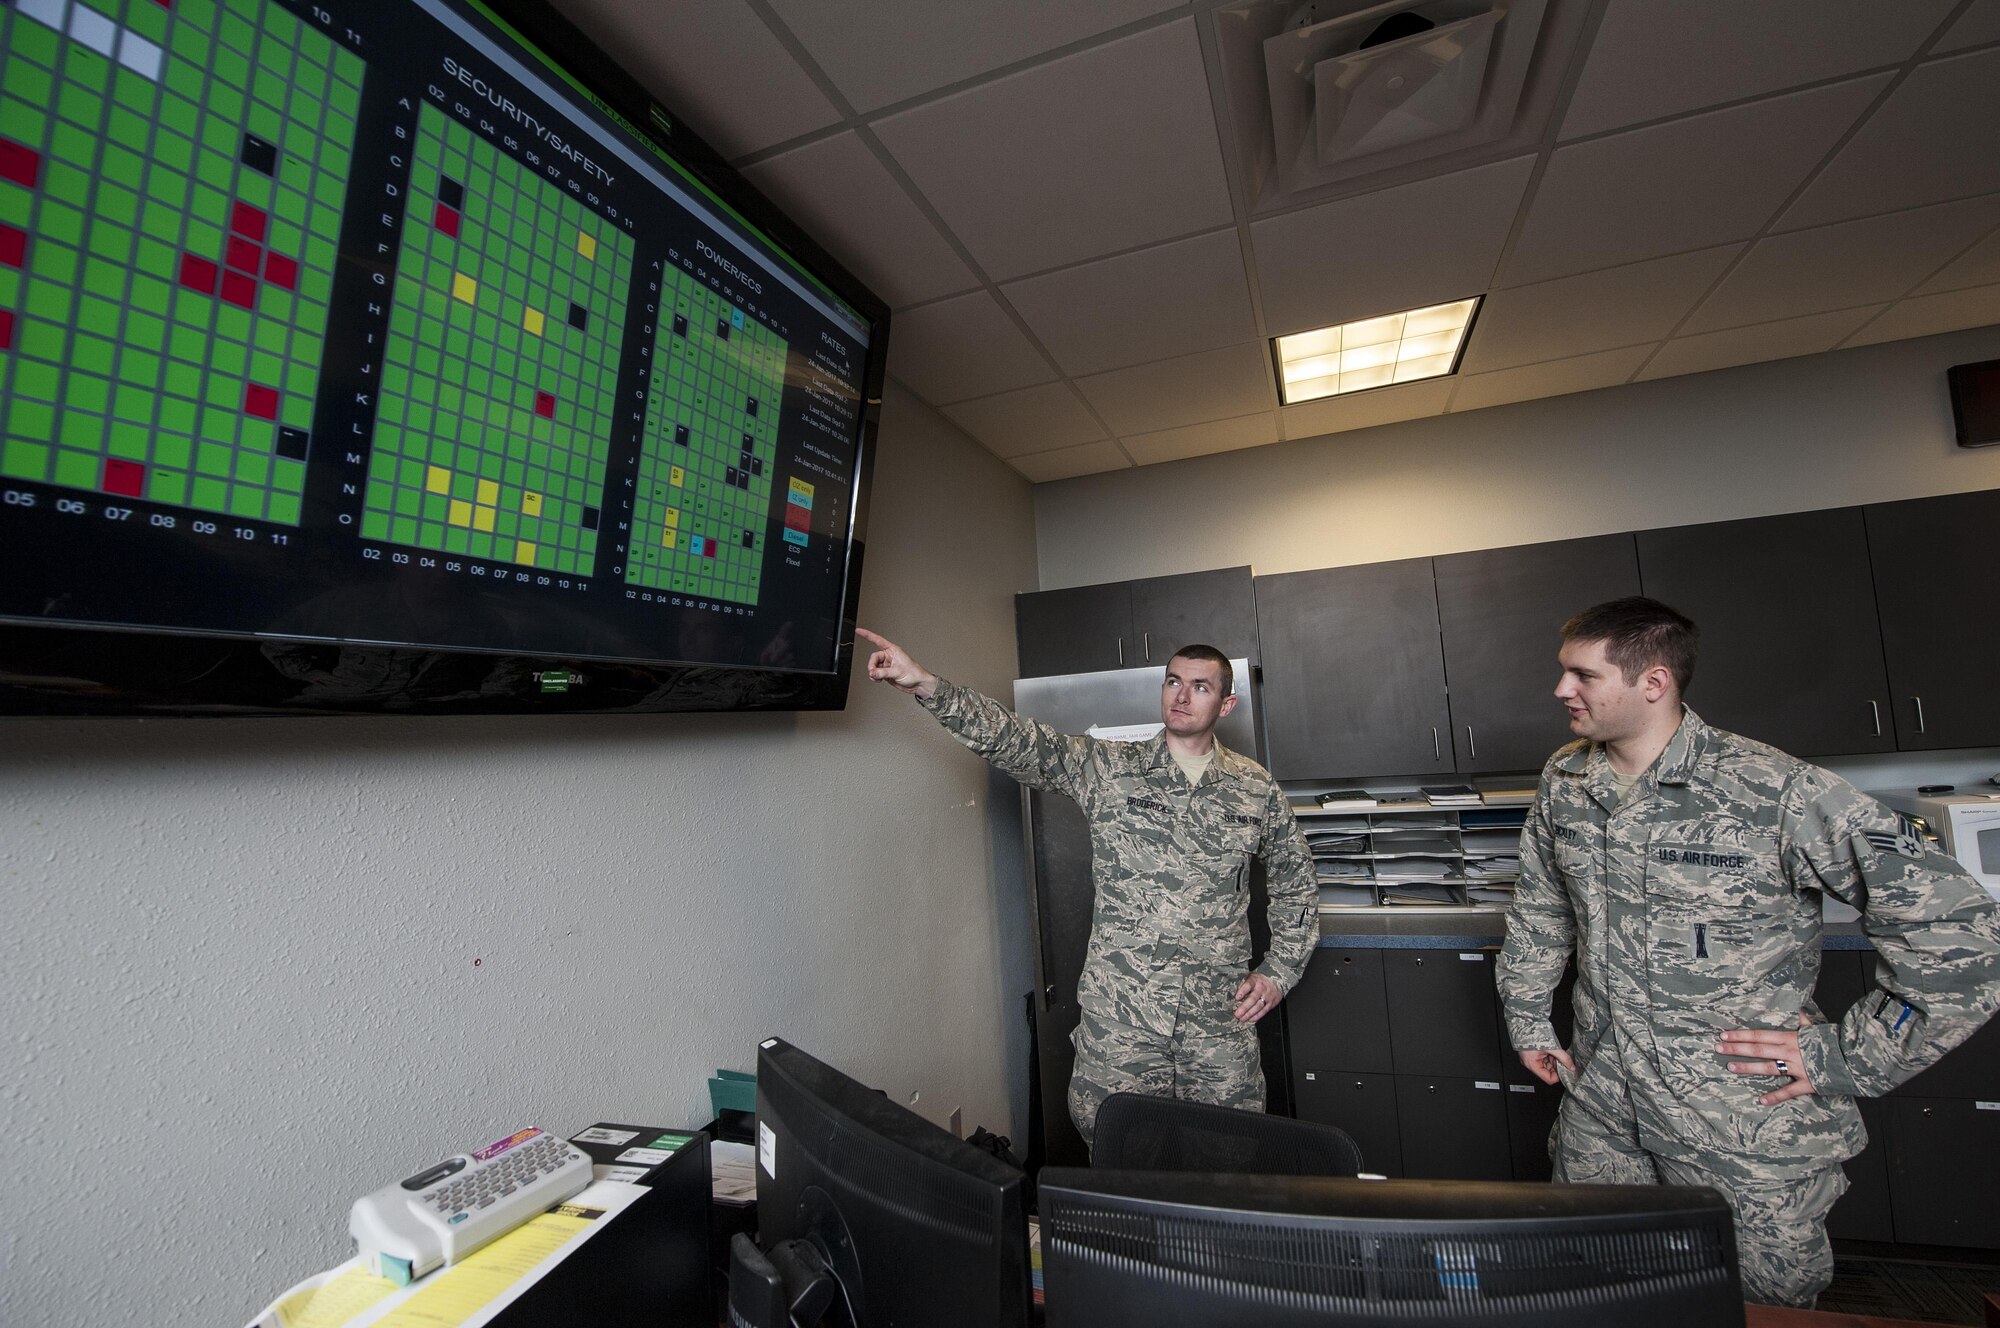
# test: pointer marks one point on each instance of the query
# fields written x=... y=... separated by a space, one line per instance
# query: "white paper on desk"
x=609 y=1196
x=732 y=1170
x=1124 y=732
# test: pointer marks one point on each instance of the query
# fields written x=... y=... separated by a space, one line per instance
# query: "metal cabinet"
x=1338 y=1014
x=1353 y=672
x=1502 y=611
x=1453 y=1128
x=1791 y=652
x=1445 y=1015
x=1127 y=624
x=1944 y=1168
x=1364 y=1105
x=1933 y=569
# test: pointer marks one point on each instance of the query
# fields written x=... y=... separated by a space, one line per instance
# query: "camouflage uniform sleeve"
x=1936 y=934
x=1027 y=749
x=1293 y=905
x=1541 y=933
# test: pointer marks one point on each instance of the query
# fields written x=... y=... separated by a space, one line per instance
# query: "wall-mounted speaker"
x=1975 y=402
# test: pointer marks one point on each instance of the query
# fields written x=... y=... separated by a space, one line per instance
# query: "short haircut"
x=1208 y=655
x=1639 y=633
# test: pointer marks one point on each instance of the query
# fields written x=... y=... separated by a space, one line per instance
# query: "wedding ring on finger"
x=1782 y=1067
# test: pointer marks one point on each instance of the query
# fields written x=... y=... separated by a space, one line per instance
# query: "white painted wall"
x=1857 y=426
x=256 y=967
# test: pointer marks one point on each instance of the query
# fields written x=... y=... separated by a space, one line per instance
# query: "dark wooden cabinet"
x=1216 y=608
x=1079 y=630
x=1933 y=571
x=1791 y=652
x=1129 y=624
x=1353 y=672
x=1502 y=611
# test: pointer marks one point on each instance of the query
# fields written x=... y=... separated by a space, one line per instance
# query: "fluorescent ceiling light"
x=1374 y=352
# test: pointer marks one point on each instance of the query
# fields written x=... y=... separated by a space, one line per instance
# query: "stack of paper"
x=1347 y=800
x=1451 y=795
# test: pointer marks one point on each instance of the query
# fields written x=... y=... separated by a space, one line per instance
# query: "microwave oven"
x=1967 y=827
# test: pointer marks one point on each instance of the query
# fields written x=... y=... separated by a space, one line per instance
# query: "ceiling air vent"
x=1351 y=88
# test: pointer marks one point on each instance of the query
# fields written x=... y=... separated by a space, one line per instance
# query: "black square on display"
x=578 y=319
x=590 y=518
x=681 y=434
x=680 y=326
x=259 y=155
x=757 y=466
x=750 y=408
x=292 y=444
x=722 y=329
x=749 y=540
x=451 y=193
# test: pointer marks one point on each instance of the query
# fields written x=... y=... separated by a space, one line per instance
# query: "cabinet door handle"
x=1147 y=645
x=1876 y=711
x=1437 y=753
x=1472 y=746
x=1918 y=701
x=1121 y=652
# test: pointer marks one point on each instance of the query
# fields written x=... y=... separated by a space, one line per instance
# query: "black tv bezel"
x=72 y=669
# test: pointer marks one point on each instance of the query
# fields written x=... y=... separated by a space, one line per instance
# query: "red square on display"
x=239 y=290
x=13 y=246
x=199 y=274
x=6 y=330
x=281 y=271
x=20 y=163
x=545 y=405
x=798 y=518
x=243 y=255
x=127 y=479
x=260 y=401
x=447 y=221
x=248 y=221
x=708 y=549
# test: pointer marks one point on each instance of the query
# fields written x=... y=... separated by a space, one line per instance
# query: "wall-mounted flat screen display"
x=398 y=354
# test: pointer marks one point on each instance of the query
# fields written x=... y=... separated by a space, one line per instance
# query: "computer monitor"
x=1147 y=1248
x=910 y=1225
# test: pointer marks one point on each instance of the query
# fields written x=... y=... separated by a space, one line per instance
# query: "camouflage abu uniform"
x=1170 y=935
x=1693 y=909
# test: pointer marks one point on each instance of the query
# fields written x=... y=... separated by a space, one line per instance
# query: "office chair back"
x=1139 y=1133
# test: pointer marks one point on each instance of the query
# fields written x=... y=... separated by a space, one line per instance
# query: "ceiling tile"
x=1977 y=266
x=1753 y=345
x=1422 y=243
x=1030 y=419
x=1214 y=385
x=1937 y=137
x=1872 y=261
x=1651 y=60
x=1978 y=26
x=1069 y=462
x=1928 y=315
x=846 y=199
x=1682 y=185
x=1583 y=373
x=1150 y=449
x=698 y=56
x=1108 y=149
x=960 y=348
x=1169 y=300
x=1365 y=410
x=1621 y=306
x=882 y=51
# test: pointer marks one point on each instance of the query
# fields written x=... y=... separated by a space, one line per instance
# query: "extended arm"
x=1291 y=909
x=1030 y=751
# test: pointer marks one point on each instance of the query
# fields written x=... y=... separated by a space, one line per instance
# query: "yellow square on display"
x=464 y=287
x=524 y=552
x=461 y=512
x=677 y=476
x=586 y=246
x=531 y=504
x=437 y=480
x=489 y=493
x=533 y=321
x=482 y=518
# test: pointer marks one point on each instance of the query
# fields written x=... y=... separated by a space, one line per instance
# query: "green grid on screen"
x=502 y=364
x=171 y=184
x=710 y=449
